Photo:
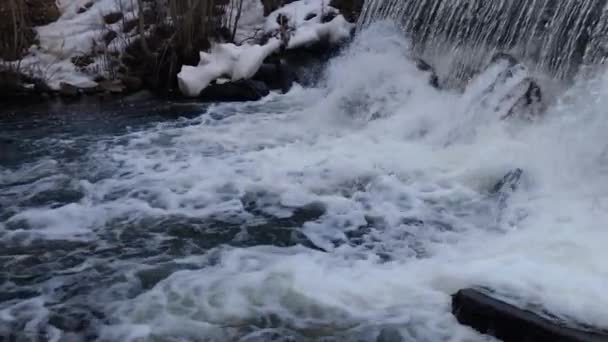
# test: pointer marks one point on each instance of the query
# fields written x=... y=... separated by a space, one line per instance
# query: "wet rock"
x=243 y=90
x=82 y=61
x=502 y=56
x=389 y=334
x=530 y=104
x=129 y=25
x=42 y=12
x=112 y=18
x=109 y=36
x=512 y=91
x=509 y=182
x=68 y=90
x=132 y=83
x=422 y=65
x=511 y=324
x=111 y=86
x=276 y=76
x=310 y=16
x=329 y=16
x=350 y=9
x=84 y=8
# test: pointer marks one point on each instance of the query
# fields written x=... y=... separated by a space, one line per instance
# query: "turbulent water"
x=336 y=213
x=558 y=35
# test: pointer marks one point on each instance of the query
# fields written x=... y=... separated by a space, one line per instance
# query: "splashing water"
x=326 y=214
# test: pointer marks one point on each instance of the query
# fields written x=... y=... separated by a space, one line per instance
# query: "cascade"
x=557 y=37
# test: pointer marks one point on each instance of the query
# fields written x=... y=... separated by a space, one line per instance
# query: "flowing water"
x=335 y=213
x=558 y=36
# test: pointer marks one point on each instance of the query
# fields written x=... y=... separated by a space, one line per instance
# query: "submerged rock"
x=511 y=324
x=509 y=182
x=422 y=65
x=506 y=88
x=389 y=334
x=243 y=90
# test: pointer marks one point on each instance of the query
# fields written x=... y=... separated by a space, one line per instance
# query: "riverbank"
x=111 y=48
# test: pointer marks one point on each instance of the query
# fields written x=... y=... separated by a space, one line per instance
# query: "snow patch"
x=76 y=34
x=235 y=62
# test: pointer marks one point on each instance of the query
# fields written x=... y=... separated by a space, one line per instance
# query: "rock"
x=350 y=9
x=132 y=83
x=310 y=16
x=243 y=90
x=68 y=90
x=82 y=61
x=509 y=182
x=129 y=25
x=111 y=86
x=530 y=104
x=329 y=16
x=276 y=76
x=389 y=334
x=502 y=190
x=502 y=56
x=84 y=8
x=422 y=65
x=42 y=12
x=511 y=324
x=109 y=37
x=508 y=89
x=112 y=18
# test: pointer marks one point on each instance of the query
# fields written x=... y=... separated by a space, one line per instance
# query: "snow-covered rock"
x=224 y=60
x=305 y=19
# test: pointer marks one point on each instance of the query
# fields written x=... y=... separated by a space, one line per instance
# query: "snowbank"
x=242 y=62
x=77 y=34
x=224 y=60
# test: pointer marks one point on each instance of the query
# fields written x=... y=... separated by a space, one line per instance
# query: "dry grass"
x=15 y=30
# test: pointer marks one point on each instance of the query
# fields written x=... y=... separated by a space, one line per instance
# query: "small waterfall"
x=558 y=36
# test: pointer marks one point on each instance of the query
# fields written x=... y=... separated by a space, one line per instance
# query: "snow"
x=305 y=32
x=297 y=12
x=334 y=31
x=76 y=34
x=236 y=62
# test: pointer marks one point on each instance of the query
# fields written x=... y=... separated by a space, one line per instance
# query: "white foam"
x=325 y=145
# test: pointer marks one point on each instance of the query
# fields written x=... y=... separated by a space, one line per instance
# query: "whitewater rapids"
x=399 y=174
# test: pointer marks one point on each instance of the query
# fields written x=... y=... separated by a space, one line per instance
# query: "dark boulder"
x=68 y=90
x=310 y=16
x=277 y=76
x=243 y=90
x=112 y=18
x=350 y=9
x=511 y=324
x=389 y=334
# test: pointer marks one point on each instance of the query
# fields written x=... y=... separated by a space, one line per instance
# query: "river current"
x=348 y=211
